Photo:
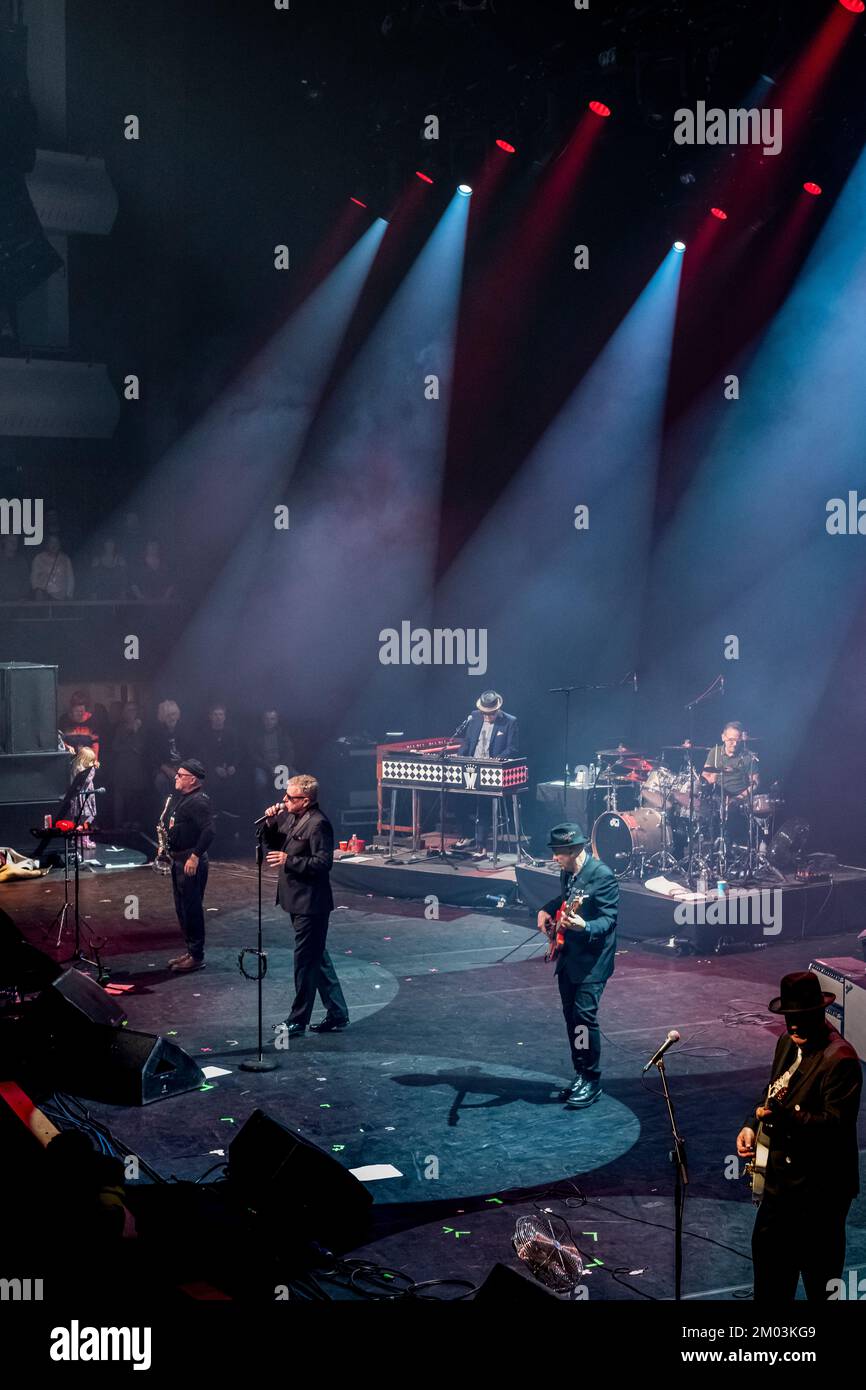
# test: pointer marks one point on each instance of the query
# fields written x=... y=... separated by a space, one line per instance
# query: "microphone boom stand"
x=681 y=1182
x=259 y=1063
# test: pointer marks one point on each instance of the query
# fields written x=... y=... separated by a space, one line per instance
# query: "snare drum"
x=618 y=835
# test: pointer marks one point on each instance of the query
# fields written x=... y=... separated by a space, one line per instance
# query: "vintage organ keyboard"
x=478 y=776
x=418 y=767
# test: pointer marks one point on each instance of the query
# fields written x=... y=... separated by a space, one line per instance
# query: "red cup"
x=343 y=844
x=361 y=844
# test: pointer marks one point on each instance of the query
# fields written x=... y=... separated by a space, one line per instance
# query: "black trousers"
x=580 y=1001
x=189 y=903
x=314 y=971
x=796 y=1236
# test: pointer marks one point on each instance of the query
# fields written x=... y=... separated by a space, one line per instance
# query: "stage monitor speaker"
x=28 y=708
x=74 y=1001
x=122 y=1067
x=296 y=1187
x=504 y=1285
x=23 y=967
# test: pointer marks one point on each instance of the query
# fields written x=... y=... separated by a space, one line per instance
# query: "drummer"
x=737 y=768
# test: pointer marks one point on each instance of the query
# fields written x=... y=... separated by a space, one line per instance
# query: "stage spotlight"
x=814 y=188
x=425 y=178
x=465 y=189
x=679 y=246
x=598 y=108
x=855 y=6
x=720 y=214
x=504 y=145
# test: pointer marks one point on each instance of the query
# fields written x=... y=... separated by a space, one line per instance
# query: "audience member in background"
x=51 y=576
x=108 y=573
x=221 y=755
x=129 y=769
x=165 y=748
x=79 y=725
x=150 y=579
x=272 y=755
x=14 y=570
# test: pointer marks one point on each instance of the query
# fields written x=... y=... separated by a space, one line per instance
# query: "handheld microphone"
x=672 y=1037
x=261 y=820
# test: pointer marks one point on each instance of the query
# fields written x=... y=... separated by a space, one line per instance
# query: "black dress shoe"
x=579 y=1080
x=586 y=1094
x=329 y=1025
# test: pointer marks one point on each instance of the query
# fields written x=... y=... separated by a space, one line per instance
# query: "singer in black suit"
x=812 y=1172
x=301 y=840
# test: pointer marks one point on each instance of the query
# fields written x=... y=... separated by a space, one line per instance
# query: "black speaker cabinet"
x=28 y=708
x=122 y=1067
x=504 y=1285
x=75 y=1000
x=295 y=1187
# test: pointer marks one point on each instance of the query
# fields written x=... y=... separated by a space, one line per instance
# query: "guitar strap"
x=777 y=1087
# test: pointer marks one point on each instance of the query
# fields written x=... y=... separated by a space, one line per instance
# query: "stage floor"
x=450 y=1072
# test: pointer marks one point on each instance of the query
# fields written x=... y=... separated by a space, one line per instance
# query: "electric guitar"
x=564 y=915
x=756 y=1168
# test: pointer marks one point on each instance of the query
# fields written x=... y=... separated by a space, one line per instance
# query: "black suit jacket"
x=503 y=740
x=813 y=1145
x=304 y=884
x=588 y=955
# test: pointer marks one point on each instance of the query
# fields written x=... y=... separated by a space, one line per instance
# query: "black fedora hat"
x=567 y=836
x=801 y=994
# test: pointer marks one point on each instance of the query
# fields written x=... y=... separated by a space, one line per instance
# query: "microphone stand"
x=259 y=1063
x=717 y=685
x=568 y=691
x=681 y=1181
x=441 y=852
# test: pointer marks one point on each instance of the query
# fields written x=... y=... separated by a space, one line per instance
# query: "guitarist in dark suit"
x=812 y=1171
x=301 y=841
x=586 y=960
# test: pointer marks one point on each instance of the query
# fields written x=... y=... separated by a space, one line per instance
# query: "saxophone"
x=162 y=862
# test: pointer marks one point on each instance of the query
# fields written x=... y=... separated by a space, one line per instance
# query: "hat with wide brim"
x=801 y=994
x=568 y=836
x=489 y=702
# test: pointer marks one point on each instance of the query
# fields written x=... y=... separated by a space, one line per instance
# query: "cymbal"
x=685 y=747
x=619 y=753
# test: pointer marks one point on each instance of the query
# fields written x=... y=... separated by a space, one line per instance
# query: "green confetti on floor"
x=324 y=1105
x=496 y=1200
x=338 y=1148
x=226 y=1119
x=207 y=1086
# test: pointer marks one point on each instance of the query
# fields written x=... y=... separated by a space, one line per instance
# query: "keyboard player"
x=489 y=733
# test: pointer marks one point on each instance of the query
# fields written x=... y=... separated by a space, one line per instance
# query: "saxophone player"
x=189 y=826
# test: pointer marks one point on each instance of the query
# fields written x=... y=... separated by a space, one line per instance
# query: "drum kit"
x=653 y=816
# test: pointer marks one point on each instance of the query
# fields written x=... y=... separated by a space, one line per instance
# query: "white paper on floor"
x=373 y=1171
x=211 y=1072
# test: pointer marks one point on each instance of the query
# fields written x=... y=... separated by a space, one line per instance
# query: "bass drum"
x=618 y=835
